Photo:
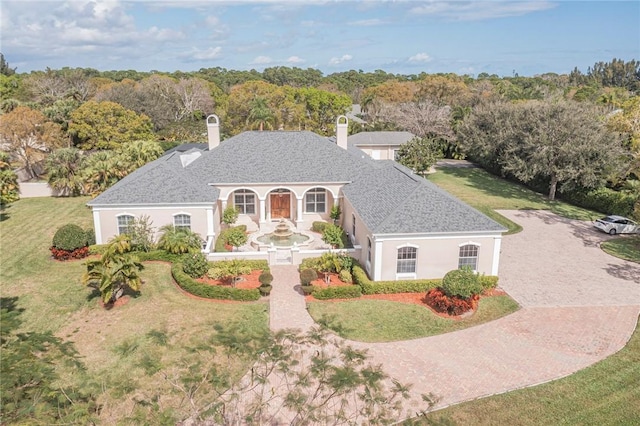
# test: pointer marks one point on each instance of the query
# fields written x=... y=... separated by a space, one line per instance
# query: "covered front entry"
x=280 y=201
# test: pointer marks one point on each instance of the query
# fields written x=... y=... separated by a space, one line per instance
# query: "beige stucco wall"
x=159 y=217
x=385 y=152
x=436 y=255
x=362 y=231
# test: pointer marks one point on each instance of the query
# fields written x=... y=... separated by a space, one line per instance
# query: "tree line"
x=451 y=115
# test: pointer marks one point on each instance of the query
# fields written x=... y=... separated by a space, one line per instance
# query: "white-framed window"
x=182 y=221
x=369 y=249
x=124 y=222
x=468 y=256
x=316 y=201
x=407 y=257
x=396 y=152
x=353 y=228
x=245 y=201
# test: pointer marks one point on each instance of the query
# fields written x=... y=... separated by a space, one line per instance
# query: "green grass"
x=127 y=349
x=627 y=248
x=607 y=393
x=385 y=321
x=488 y=193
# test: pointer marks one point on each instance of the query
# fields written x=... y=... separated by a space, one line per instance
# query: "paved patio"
x=579 y=305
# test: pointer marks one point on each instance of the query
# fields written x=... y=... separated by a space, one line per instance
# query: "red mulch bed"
x=333 y=280
x=249 y=281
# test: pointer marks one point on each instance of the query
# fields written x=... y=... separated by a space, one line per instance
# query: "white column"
x=210 y=224
x=377 y=264
x=299 y=208
x=97 y=227
x=496 y=255
x=263 y=210
x=224 y=204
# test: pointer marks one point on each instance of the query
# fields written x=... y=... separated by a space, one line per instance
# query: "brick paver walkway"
x=579 y=305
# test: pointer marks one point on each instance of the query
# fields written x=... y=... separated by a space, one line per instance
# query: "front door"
x=281 y=205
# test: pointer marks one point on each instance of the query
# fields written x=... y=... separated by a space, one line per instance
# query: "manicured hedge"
x=159 y=255
x=406 y=286
x=222 y=238
x=389 y=287
x=253 y=264
x=603 y=200
x=319 y=226
x=211 y=291
x=337 y=292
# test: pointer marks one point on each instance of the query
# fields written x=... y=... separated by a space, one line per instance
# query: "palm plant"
x=178 y=240
x=260 y=114
x=102 y=170
x=115 y=271
x=139 y=153
x=64 y=167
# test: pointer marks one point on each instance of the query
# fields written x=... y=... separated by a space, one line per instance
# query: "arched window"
x=468 y=256
x=182 y=221
x=407 y=260
x=245 y=201
x=316 y=201
x=369 y=248
x=124 y=222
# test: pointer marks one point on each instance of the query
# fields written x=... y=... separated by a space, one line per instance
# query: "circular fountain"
x=283 y=236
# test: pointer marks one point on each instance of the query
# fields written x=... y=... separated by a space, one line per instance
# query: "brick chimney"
x=342 y=131
x=213 y=131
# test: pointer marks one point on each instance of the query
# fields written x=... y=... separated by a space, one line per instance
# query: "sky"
x=401 y=36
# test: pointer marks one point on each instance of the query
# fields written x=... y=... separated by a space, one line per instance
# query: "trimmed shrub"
x=307 y=276
x=230 y=215
x=345 y=276
x=488 y=282
x=69 y=237
x=603 y=200
x=440 y=302
x=310 y=263
x=159 y=255
x=236 y=237
x=90 y=236
x=333 y=235
x=319 y=226
x=189 y=285
x=307 y=289
x=195 y=265
x=223 y=238
x=462 y=283
x=265 y=278
x=338 y=292
x=265 y=290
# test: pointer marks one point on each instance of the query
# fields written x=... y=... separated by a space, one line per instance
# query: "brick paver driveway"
x=579 y=305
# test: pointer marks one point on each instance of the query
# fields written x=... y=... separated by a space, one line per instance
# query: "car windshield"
x=608 y=219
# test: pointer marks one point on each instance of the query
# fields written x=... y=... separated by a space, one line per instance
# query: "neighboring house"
x=401 y=225
x=380 y=145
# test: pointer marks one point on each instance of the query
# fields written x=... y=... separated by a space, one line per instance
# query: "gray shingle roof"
x=388 y=197
x=162 y=181
x=380 y=138
x=256 y=157
x=392 y=200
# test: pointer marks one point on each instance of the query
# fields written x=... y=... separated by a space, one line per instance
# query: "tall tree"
x=107 y=125
x=562 y=143
x=9 y=191
x=5 y=69
x=419 y=154
x=28 y=136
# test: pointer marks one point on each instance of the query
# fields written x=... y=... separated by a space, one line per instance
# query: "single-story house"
x=380 y=145
x=401 y=225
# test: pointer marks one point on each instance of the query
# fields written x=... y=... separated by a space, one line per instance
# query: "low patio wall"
x=253 y=255
x=35 y=189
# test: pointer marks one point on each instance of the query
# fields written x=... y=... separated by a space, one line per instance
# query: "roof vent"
x=189 y=158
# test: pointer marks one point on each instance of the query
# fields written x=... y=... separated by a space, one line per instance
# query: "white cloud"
x=208 y=54
x=420 y=57
x=343 y=58
x=366 y=22
x=478 y=10
x=212 y=21
x=261 y=60
x=295 y=60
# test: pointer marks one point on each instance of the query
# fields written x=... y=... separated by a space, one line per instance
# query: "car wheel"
x=612 y=231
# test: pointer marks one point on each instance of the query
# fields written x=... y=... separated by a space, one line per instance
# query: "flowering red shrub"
x=440 y=302
x=60 y=254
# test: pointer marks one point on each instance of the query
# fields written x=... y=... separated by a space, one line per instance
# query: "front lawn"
x=384 y=321
x=136 y=354
x=488 y=193
x=606 y=393
x=624 y=247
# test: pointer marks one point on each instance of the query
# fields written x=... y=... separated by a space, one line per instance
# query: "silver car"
x=613 y=225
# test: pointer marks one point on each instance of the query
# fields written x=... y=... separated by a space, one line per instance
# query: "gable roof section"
x=163 y=181
x=380 y=138
x=392 y=200
x=277 y=157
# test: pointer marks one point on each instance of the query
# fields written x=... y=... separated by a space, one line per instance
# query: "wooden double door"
x=280 y=205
